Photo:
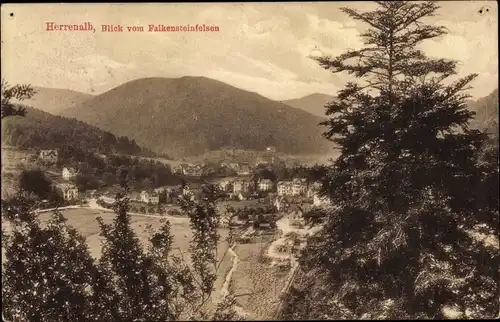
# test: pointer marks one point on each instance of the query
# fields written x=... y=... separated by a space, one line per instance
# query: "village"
x=254 y=207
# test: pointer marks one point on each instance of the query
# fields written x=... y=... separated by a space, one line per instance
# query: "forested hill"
x=191 y=115
x=314 y=103
x=486 y=117
x=41 y=130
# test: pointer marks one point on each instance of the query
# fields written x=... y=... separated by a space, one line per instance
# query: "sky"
x=260 y=47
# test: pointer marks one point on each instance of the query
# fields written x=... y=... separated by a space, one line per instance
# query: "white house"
x=68 y=173
x=242 y=186
x=68 y=190
x=284 y=188
x=265 y=185
x=49 y=156
x=150 y=197
x=194 y=171
x=225 y=185
x=271 y=149
x=299 y=186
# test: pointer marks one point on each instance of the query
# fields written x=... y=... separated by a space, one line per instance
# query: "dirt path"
x=93 y=205
x=225 y=287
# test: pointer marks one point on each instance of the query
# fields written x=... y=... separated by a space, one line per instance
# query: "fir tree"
x=17 y=92
x=47 y=271
x=405 y=186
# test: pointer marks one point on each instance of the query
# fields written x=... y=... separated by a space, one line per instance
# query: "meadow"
x=257 y=285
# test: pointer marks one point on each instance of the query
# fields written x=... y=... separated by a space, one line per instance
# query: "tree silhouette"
x=16 y=92
x=36 y=182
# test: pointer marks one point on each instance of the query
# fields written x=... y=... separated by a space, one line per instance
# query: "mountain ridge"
x=313 y=103
x=55 y=100
x=486 y=109
x=43 y=130
x=191 y=115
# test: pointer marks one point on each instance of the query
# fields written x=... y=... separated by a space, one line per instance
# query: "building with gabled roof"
x=321 y=201
x=284 y=188
x=242 y=186
x=69 y=191
x=68 y=173
x=265 y=185
x=49 y=156
x=150 y=196
x=296 y=213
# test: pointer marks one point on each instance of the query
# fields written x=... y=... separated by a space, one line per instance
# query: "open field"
x=255 y=283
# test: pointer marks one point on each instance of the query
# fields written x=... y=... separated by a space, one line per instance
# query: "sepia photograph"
x=250 y=161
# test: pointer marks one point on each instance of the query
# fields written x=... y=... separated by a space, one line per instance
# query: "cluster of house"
x=197 y=170
x=288 y=192
x=293 y=242
x=244 y=189
x=69 y=190
x=49 y=156
x=152 y=196
x=241 y=169
x=295 y=199
x=295 y=187
x=192 y=170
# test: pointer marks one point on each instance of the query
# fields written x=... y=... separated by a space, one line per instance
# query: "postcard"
x=249 y=161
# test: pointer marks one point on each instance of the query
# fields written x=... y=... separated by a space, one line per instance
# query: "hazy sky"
x=261 y=47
